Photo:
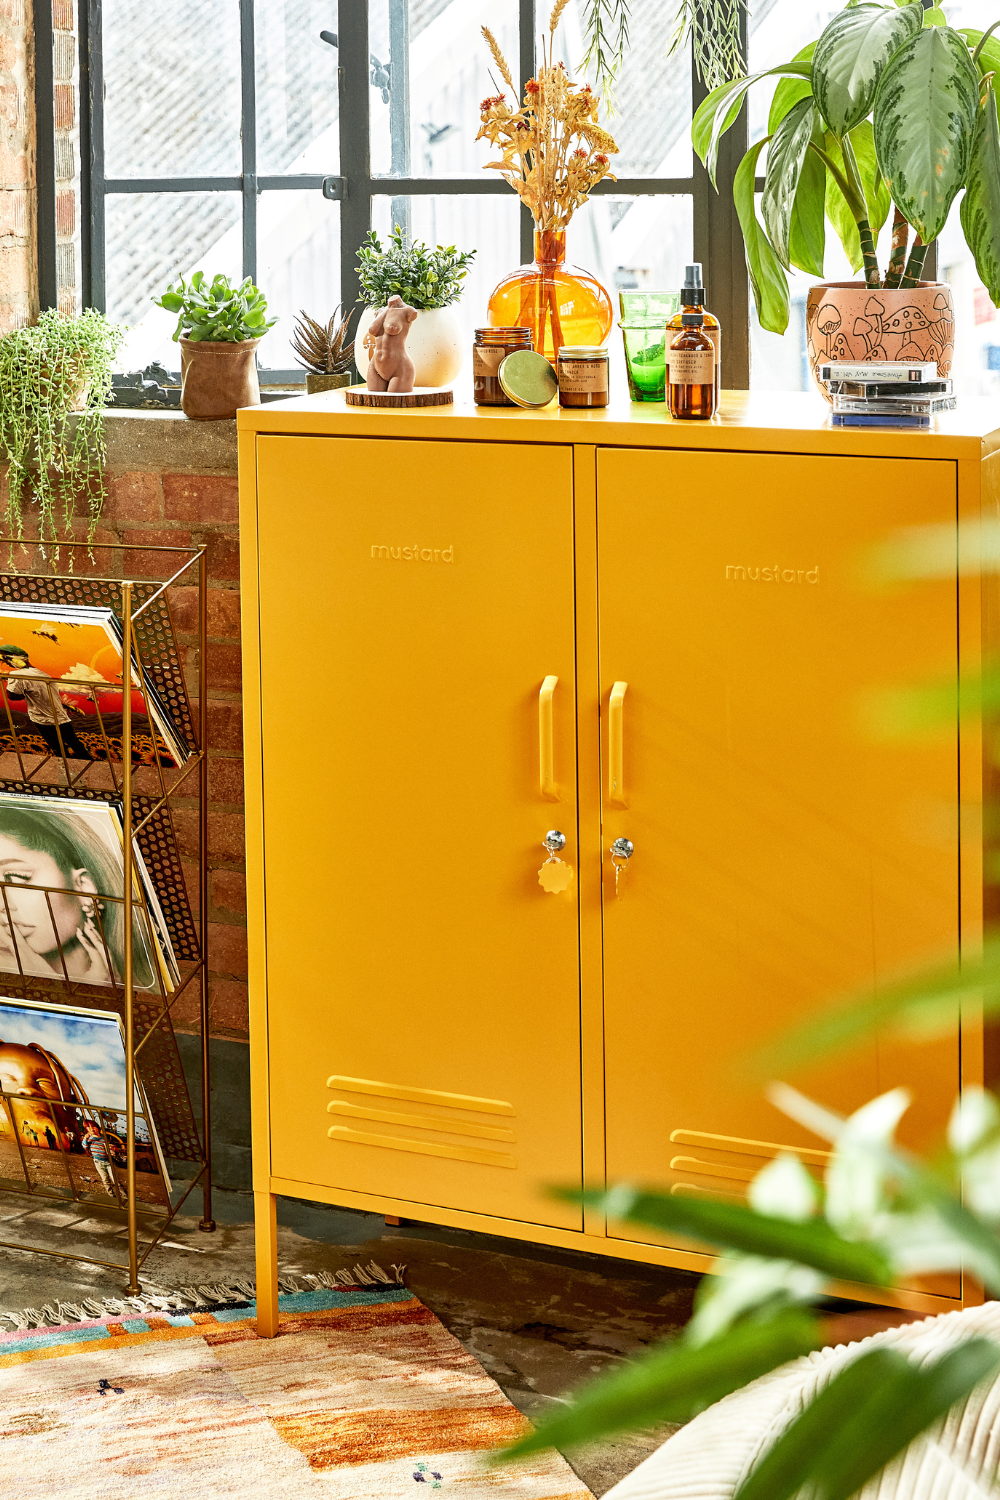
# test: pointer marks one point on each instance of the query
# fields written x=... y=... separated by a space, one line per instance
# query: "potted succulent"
x=55 y=370
x=218 y=328
x=890 y=109
x=430 y=281
x=321 y=350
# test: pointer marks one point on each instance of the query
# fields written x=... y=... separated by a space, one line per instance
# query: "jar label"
x=583 y=377
x=715 y=334
x=692 y=367
x=487 y=361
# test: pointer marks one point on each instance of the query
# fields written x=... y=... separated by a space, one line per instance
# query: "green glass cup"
x=645 y=359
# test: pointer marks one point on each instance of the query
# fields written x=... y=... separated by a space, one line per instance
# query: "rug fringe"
x=238 y=1292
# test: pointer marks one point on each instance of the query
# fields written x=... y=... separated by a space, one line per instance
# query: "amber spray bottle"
x=692 y=370
x=693 y=300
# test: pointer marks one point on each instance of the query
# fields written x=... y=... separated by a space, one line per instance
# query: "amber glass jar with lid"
x=489 y=351
x=583 y=375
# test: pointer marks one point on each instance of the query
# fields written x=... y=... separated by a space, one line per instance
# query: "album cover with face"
x=62 y=884
x=62 y=1106
x=61 y=680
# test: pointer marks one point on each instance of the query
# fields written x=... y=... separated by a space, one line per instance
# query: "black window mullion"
x=45 y=155
x=718 y=241
x=248 y=131
x=355 y=145
x=92 y=238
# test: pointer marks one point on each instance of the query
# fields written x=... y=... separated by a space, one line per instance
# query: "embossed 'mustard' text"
x=774 y=574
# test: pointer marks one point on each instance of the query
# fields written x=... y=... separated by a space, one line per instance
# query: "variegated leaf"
x=850 y=56
x=980 y=211
x=925 y=124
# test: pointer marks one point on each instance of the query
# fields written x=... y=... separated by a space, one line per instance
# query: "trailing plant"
x=320 y=347
x=714 y=26
x=553 y=151
x=423 y=277
x=889 y=109
x=215 y=311
x=55 y=381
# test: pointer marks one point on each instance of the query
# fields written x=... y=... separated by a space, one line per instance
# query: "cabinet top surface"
x=776 y=421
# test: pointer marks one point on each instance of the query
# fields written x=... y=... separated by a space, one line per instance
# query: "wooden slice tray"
x=421 y=395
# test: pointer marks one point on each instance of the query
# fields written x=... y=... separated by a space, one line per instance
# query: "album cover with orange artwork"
x=62 y=1107
x=61 y=692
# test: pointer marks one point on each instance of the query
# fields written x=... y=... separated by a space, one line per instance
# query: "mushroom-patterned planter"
x=846 y=320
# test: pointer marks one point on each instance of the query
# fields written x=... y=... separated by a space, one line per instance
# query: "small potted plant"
x=218 y=328
x=57 y=368
x=321 y=350
x=889 y=110
x=430 y=281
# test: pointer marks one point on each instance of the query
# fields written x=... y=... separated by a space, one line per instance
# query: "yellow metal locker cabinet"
x=464 y=628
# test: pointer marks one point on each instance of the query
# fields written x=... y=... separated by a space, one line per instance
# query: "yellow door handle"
x=616 y=746
x=546 y=753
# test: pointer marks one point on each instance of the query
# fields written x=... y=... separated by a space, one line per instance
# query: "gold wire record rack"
x=80 y=1127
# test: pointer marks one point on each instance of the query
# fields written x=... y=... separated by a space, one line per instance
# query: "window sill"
x=168 y=441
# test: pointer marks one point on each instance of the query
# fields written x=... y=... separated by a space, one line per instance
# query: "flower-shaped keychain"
x=555 y=875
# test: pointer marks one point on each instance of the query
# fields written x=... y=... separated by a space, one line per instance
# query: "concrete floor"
x=540 y=1321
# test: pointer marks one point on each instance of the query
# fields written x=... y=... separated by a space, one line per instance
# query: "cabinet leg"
x=391 y=1219
x=266 y=1237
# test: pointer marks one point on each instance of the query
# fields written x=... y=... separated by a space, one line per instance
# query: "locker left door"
x=423 y=989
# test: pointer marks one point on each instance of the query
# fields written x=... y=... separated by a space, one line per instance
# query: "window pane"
x=172 y=87
x=152 y=238
x=297 y=88
x=627 y=243
x=447 y=66
x=487 y=223
x=652 y=123
x=298 y=260
x=779 y=29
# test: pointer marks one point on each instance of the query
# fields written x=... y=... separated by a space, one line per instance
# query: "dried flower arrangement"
x=321 y=349
x=553 y=150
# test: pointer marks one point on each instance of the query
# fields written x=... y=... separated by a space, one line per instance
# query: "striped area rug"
x=364 y=1395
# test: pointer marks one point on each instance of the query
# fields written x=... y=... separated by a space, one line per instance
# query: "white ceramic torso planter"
x=434 y=343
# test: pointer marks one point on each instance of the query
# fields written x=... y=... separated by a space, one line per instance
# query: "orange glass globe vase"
x=559 y=303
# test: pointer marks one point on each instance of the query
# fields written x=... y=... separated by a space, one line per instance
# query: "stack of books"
x=886 y=393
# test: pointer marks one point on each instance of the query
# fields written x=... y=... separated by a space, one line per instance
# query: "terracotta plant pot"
x=317 y=383
x=847 y=320
x=435 y=343
x=217 y=378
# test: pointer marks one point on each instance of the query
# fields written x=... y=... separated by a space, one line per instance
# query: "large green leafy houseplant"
x=215 y=311
x=55 y=381
x=889 y=108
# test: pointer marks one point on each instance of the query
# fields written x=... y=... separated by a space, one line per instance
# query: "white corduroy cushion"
x=956 y=1460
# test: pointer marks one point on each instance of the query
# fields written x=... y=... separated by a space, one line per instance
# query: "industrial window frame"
x=718 y=242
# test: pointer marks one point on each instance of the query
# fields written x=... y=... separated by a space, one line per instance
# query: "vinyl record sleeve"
x=64 y=666
x=63 y=1070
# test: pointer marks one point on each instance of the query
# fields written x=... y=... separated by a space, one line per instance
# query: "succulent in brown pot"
x=321 y=349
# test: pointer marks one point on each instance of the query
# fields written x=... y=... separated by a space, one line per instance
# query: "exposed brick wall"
x=18 y=294
x=165 y=508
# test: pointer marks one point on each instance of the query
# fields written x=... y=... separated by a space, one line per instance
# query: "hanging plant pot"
x=217 y=378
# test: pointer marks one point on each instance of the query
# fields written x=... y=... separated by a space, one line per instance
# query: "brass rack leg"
x=266 y=1231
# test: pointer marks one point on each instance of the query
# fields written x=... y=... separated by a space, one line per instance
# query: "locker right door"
x=783 y=855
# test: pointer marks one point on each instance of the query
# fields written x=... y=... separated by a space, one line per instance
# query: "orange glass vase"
x=559 y=303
